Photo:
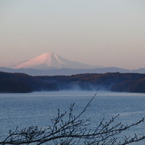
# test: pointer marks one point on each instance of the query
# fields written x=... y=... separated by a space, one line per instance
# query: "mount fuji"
x=53 y=64
x=50 y=61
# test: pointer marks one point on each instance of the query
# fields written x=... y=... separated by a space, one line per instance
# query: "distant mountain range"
x=53 y=64
x=63 y=71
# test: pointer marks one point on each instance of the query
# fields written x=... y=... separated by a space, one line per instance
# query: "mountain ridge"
x=116 y=82
x=66 y=71
x=52 y=64
x=50 y=60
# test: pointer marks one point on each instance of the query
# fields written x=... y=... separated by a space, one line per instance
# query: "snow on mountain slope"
x=50 y=60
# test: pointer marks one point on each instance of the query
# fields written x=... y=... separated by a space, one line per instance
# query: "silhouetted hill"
x=22 y=83
x=121 y=82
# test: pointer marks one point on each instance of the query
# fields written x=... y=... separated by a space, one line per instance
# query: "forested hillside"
x=120 y=82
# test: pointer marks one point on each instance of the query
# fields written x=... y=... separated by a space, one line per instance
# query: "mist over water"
x=24 y=110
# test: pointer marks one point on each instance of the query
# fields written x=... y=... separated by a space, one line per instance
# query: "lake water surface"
x=39 y=108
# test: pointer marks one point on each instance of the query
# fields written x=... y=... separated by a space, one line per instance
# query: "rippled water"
x=38 y=108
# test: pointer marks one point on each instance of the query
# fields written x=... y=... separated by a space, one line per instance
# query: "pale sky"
x=97 y=32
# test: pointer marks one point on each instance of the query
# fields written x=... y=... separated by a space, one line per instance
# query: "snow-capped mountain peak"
x=50 y=60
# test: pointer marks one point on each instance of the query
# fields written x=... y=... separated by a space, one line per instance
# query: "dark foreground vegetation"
x=120 y=82
x=68 y=128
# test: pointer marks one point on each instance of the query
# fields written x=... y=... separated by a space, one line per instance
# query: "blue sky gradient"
x=97 y=32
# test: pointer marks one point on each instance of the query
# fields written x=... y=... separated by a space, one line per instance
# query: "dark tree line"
x=70 y=129
x=120 y=82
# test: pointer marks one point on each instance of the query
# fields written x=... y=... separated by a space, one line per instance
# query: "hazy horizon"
x=102 y=33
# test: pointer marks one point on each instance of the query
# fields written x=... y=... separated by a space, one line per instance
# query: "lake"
x=39 y=108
